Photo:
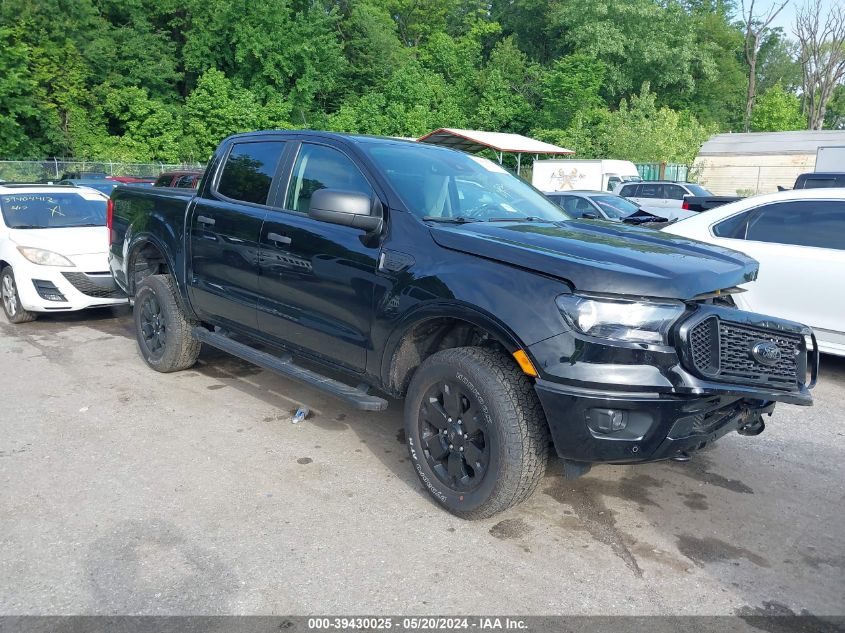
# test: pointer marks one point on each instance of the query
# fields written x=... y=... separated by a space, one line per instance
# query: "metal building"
x=759 y=162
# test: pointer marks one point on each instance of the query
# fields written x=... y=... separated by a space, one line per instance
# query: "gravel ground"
x=124 y=491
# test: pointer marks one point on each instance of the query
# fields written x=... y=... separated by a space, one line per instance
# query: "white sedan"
x=53 y=251
x=799 y=239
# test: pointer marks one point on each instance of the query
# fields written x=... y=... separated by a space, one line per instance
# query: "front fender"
x=516 y=306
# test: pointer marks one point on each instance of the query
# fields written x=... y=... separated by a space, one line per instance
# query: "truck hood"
x=80 y=240
x=604 y=257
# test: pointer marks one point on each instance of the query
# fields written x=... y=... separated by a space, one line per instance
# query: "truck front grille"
x=724 y=350
x=97 y=285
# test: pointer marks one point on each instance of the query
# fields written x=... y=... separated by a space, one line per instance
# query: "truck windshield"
x=435 y=182
x=53 y=210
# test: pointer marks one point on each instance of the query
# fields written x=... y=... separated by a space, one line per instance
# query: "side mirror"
x=345 y=207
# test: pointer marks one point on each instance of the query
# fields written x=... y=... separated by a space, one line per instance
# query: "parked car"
x=103 y=186
x=566 y=174
x=185 y=179
x=53 y=251
x=84 y=175
x=799 y=239
x=603 y=205
x=132 y=180
x=503 y=323
x=664 y=198
x=820 y=180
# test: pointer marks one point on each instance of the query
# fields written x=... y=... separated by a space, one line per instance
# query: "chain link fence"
x=56 y=169
x=664 y=171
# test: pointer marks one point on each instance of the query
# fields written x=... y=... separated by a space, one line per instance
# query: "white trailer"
x=831 y=158
x=598 y=175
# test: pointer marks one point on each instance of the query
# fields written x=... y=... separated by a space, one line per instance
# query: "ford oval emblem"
x=766 y=353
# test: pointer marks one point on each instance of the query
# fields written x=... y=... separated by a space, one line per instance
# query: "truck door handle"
x=280 y=239
x=204 y=220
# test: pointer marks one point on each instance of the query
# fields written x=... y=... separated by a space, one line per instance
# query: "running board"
x=284 y=365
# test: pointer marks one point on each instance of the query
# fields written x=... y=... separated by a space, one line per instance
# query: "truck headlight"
x=44 y=258
x=634 y=320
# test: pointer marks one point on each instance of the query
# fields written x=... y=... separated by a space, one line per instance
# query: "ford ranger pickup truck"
x=370 y=267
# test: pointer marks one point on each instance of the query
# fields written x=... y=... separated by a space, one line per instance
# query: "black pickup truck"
x=705 y=203
x=419 y=272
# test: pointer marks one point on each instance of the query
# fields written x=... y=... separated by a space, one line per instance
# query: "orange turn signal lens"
x=525 y=363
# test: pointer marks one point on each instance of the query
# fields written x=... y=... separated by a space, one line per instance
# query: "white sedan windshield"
x=60 y=209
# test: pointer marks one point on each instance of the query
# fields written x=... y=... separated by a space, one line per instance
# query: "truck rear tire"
x=163 y=331
x=476 y=432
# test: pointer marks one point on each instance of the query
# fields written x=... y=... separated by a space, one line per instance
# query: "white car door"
x=800 y=245
x=650 y=197
x=673 y=200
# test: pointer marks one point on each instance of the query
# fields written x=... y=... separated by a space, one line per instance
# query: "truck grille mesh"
x=722 y=350
x=86 y=286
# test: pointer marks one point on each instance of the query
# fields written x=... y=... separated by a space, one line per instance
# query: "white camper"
x=830 y=158
x=597 y=175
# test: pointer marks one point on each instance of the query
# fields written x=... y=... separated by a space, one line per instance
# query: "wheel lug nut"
x=466 y=436
x=448 y=419
x=461 y=449
x=450 y=446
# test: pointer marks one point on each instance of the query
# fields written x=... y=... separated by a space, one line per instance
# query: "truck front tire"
x=476 y=433
x=163 y=331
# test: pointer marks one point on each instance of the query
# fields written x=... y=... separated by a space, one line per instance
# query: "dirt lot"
x=127 y=491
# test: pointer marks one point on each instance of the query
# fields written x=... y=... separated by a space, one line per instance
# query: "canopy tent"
x=473 y=141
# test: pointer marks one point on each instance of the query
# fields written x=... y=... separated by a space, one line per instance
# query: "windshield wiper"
x=458 y=220
x=527 y=218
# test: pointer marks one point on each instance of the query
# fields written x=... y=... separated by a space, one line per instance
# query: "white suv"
x=54 y=251
x=665 y=199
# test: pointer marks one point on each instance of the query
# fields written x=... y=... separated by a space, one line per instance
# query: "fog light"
x=47 y=290
x=607 y=420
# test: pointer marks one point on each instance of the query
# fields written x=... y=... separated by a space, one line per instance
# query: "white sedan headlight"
x=43 y=257
x=620 y=319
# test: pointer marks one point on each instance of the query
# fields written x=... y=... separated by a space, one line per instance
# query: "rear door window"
x=630 y=191
x=822 y=183
x=674 y=192
x=568 y=203
x=249 y=169
x=650 y=190
x=583 y=206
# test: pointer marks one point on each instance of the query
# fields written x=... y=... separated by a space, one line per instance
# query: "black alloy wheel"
x=452 y=431
x=153 y=328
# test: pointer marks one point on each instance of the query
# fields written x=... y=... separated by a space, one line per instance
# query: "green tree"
x=777 y=110
x=20 y=95
x=218 y=108
x=571 y=85
x=640 y=131
x=834 y=118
